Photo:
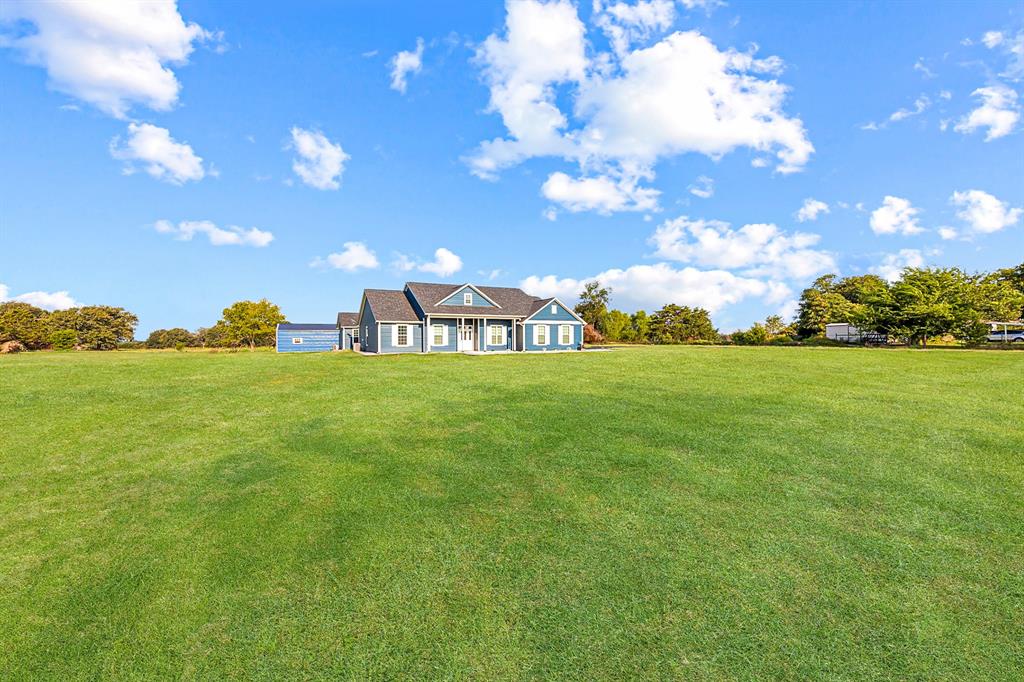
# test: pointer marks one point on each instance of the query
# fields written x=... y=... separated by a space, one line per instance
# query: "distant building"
x=848 y=333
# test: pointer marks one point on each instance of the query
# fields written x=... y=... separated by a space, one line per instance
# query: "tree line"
x=925 y=303
x=670 y=324
x=24 y=326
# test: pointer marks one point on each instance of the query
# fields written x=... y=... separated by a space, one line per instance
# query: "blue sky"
x=172 y=158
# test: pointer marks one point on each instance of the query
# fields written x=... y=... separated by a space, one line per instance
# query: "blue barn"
x=306 y=338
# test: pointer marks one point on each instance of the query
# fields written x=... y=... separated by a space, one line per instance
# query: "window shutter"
x=394 y=335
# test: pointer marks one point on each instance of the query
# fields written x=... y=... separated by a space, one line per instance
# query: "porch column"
x=483 y=346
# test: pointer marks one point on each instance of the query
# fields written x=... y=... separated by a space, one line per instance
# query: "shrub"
x=63 y=339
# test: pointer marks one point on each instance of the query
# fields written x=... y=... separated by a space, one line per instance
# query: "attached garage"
x=307 y=338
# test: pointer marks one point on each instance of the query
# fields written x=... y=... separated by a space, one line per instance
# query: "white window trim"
x=467 y=298
x=536 y=335
x=554 y=308
x=444 y=335
x=562 y=328
x=502 y=334
x=408 y=335
x=296 y=340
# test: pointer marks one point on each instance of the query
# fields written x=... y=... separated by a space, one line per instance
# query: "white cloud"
x=652 y=286
x=895 y=215
x=601 y=194
x=992 y=39
x=445 y=263
x=491 y=275
x=919 y=65
x=159 y=154
x=550 y=213
x=811 y=209
x=48 y=300
x=404 y=63
x=891 y=267
x=756 y=249
x=109 y=53
x=703 y=187
x=983 y=212
x=920 y=104
x=630 y=109
x=947 y=233
x=232 y=235
x=320 y=162
x=355 y=256
x=625 y=24
x=999 y=112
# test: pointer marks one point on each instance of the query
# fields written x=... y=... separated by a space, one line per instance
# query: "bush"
x=591 y=335
x=63 y=339
x=180 y=347
x=11 y=347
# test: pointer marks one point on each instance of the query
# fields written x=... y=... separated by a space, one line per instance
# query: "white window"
x=565 y=334
x=497 y=335
x=297 y=340
x=467 y=298
x=540 y=334
x=402 y=335
x=554 y=308
x=439 y=333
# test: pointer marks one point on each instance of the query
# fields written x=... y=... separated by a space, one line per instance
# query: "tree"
x=641 y=325
x=820 y=304
x=757 y=335
x=24 y=323
x=930 y=302
x=97 y=327
x=679 y=324
x=616 y=326
x=171 y=338
x=64 y=339
x=593 y=305
x=1013 y=277
x=251 y=323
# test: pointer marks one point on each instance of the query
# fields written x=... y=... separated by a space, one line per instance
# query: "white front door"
x=465 y=337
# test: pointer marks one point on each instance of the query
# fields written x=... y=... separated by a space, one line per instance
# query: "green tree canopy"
x=593 y=305
x=641 y=327
x=24 y=323
x=678 y=324
x=251 y=323
x=170 y=338
x=97 y=327
x=617 y=326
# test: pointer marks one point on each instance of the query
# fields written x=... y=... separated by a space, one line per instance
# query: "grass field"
x=689 y=512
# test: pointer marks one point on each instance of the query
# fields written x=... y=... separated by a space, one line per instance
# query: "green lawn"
x=690 y=512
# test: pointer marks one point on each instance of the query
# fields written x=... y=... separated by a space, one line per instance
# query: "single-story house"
x=426 y=317
x=306 y=337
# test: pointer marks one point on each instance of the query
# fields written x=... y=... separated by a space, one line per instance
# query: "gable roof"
x=307 y=326
x=348 y=320
x=540 y=303
x=511 y=302
x=389 y=305
x=467 y=285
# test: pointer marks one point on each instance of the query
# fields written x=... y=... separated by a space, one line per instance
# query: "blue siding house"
x=444 y=318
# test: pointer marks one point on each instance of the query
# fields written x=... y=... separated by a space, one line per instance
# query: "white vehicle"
x=1008 y=336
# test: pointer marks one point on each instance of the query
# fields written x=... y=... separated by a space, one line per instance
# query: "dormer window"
x=467 y=298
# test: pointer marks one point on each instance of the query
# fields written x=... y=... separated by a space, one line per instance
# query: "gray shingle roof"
x=512 y=301
x=539 y=303
x=348 y=320
x=389 y=305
